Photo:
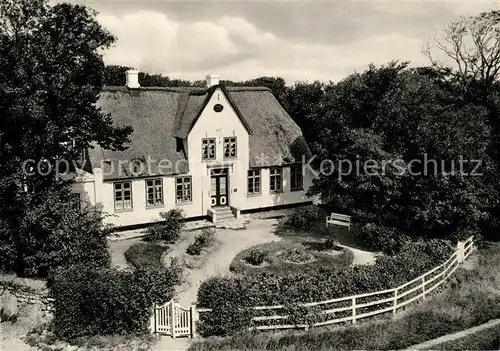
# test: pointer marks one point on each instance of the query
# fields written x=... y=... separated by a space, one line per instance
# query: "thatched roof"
x=160 y=116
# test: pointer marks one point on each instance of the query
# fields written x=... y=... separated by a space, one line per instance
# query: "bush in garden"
x=205 y=239
x=302 y=217
x=90 y=300
x=169 y=228
x=256 y=257
x=380 y=238
x=228 y=298
x=144 y=254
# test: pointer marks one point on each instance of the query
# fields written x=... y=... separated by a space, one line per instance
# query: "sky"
x=296 y=40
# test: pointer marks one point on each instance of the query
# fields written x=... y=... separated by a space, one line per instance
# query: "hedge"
x=90 y=300
x=229 y=296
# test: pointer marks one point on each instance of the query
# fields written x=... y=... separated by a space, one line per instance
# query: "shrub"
x=302 y=217
x=145 y=255
x=205 y=239
x=228 y=299
x=380 y=238
x=169 y=229
x=256 y=257
x=90 y=300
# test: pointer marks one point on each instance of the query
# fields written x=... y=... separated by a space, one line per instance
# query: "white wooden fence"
x=353 y=308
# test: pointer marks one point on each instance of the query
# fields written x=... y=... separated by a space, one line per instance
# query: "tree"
x=302 y=102
x=473 y=45
x=51 y=74
x=402 y=131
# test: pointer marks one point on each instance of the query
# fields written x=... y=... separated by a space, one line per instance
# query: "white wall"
x=218 y=125
x=268 y=199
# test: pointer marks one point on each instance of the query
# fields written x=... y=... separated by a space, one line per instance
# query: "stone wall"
x=28 y=292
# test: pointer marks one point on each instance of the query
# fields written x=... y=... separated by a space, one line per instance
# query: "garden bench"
x=339 y=219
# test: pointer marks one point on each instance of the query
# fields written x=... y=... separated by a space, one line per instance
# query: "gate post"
x=152 y=320
x=172 y=318
x=192 y=320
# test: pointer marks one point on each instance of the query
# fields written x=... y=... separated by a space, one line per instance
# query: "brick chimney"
x=213 y=79
x=132 y=78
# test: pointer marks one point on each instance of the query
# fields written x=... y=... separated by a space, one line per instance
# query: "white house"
x=213 y=152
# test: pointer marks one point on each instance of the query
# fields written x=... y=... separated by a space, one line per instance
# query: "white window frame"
x=276 y=180
x=228 y=143
x=298 y=178
x=186 y=189
x=154 y=187
x=254 y=179
x=120 y=190
x=205 y=146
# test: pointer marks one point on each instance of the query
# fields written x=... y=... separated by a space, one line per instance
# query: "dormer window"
x=208 y=148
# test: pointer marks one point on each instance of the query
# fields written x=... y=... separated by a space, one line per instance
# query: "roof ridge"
x=190 y=90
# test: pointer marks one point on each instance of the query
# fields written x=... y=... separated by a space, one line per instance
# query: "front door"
x=218 y=191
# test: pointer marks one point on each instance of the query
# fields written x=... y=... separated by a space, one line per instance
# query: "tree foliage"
x=51 y=74
x=407 y=131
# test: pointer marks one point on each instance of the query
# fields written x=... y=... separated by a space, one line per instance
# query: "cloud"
x=240 y=49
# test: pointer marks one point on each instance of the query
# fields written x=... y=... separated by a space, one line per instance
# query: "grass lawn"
x=145 y=254
x=316 y=230
x=470 y=299
x=283 y=257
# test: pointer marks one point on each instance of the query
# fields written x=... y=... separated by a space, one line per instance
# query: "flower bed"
x=283 y=257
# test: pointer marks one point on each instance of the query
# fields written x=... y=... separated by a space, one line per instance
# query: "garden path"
x=231 y=243
x=361 y=256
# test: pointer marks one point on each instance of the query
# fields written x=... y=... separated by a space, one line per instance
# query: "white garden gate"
x=174 y=320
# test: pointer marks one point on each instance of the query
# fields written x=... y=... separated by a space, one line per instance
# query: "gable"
x=193 y=106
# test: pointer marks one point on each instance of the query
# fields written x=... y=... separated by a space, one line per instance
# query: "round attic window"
x=218 y=108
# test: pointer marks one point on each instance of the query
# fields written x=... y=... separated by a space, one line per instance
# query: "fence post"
x=152 y=320
x=354 y=310
x=460 y=251
x=395 y=305
x=172 y=317
x=423 y=287
x=193 y=317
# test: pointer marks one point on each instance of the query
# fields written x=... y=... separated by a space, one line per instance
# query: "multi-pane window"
x=76 y=201
x=154 y=192
x=275 y=180
x=208 y=148
x=296 y=178
x=230 y=147
x=253 y=182
x=123 y=195
x=183 y=189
